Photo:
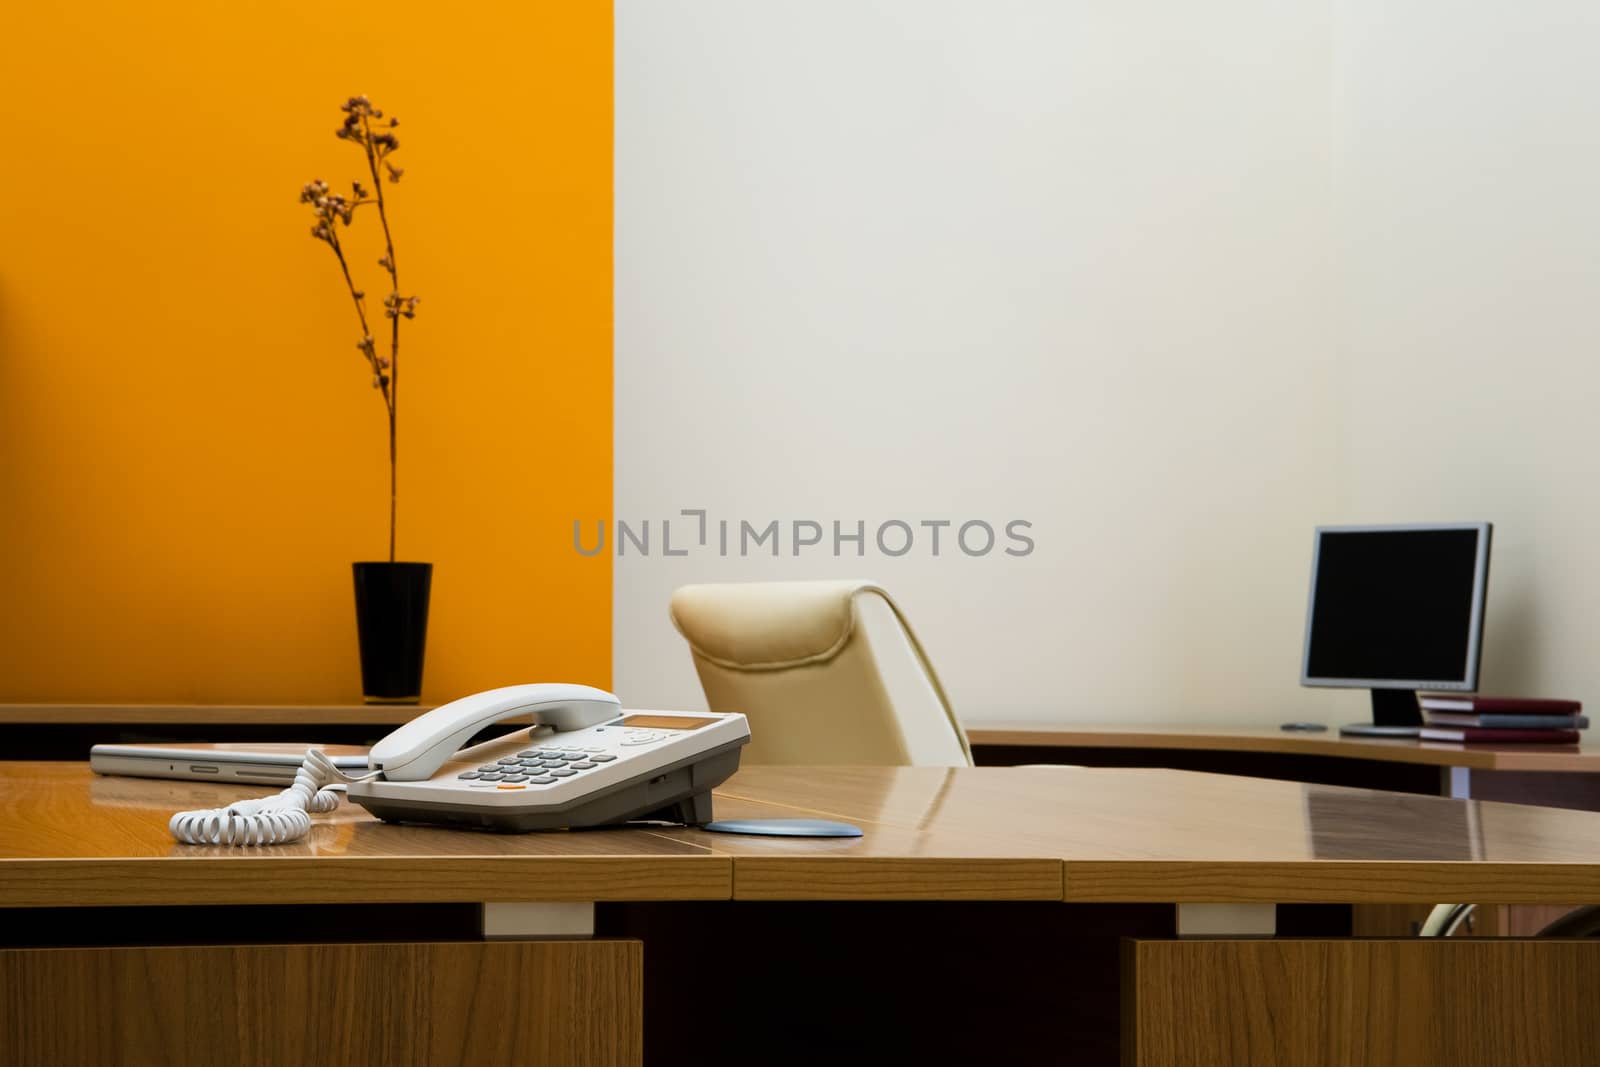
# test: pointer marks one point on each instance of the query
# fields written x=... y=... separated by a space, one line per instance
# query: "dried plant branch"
x=331 y=211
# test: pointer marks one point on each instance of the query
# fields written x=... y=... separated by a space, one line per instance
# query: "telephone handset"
x=585 y=762
x=419 y=748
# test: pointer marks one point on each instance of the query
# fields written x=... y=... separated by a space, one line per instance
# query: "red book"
x=1502 y=705
x=1480 y=735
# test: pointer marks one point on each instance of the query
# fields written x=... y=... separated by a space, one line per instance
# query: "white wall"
x=1469 y=244
x=1064 y=262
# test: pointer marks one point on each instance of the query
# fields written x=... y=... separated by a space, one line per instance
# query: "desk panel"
x=488 y=1005
x=1418 y=1003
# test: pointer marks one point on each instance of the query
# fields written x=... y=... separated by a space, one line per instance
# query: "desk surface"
x=1568 y=758
x=69 y=837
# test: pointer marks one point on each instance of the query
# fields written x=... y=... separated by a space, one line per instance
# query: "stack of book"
x=1480 y=720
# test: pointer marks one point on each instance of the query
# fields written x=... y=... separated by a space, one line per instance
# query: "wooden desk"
x=1008 y=892
x=1552 y=775
x=70 y=838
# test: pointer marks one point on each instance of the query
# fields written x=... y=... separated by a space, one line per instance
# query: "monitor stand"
x=1394 y=714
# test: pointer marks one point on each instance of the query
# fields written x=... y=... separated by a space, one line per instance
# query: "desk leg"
x=520 y=920
x=1227 y=920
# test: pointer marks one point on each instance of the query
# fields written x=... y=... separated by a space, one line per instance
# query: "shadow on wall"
x=20 y=414
x=1511 y=653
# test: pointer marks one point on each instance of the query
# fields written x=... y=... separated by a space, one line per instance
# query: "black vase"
x=392 y=621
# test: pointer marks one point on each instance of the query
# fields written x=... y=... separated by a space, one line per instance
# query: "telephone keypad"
x=535 y=767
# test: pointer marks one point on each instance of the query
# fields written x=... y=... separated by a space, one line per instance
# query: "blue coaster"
x=783 y=827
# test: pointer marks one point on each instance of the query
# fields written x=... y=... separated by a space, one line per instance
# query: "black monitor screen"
x=1396 y=605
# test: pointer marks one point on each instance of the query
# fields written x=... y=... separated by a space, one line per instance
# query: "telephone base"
x=690 y=811
x=680 y=792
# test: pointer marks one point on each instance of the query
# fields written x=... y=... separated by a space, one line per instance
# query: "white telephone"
x=585 y=762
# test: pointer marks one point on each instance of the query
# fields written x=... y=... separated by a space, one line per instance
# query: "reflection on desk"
x=1343 y=823
x=966 y=833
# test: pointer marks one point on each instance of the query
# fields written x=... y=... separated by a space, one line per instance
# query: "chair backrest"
x=828 y=672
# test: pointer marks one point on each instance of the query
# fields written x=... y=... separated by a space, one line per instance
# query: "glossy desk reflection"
x=1175 y=836
x=1075 y=834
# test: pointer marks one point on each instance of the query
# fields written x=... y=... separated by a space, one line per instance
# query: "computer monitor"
x=1395 y=609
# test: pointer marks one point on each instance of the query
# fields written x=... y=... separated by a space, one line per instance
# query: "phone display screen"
x=666 y=722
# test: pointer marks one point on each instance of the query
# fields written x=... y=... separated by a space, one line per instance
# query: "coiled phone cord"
x=274 y=820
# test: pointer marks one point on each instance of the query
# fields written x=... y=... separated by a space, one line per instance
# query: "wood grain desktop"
x=71 y=837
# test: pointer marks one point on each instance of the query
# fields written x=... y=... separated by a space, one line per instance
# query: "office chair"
x=1581 y=922
x=826 y=671
x=1446 y=919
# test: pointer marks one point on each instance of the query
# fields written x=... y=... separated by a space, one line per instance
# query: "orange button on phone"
x=508 y=786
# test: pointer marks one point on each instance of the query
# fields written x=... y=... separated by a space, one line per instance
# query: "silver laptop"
x=257 y=762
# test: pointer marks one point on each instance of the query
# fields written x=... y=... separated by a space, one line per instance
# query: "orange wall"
x=190 y=453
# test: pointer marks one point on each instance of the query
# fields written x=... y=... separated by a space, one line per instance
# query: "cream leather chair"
x=828 y=672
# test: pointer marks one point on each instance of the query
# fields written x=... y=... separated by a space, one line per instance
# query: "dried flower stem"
x=333 y=209
x=366 y=336
x=386 y=383
x=393 y=392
